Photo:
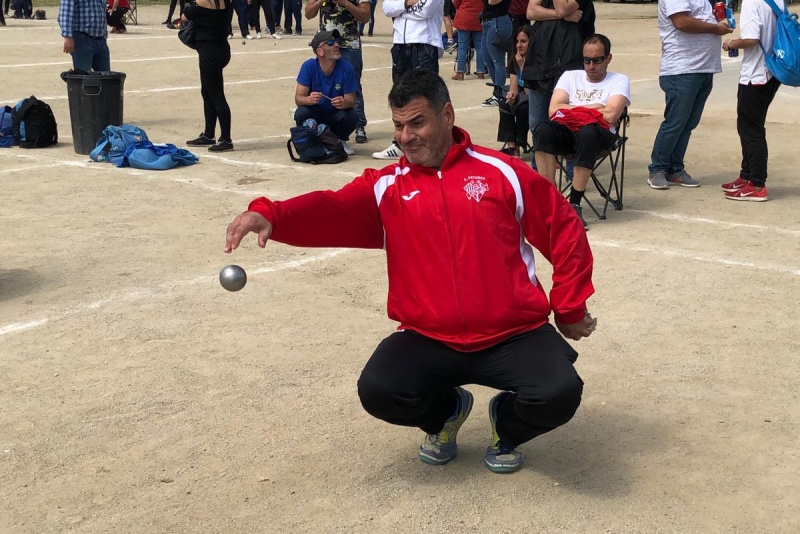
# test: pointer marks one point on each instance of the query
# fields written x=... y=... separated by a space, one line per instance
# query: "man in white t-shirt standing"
x=588 y=134
x=690 y=41
x=757 y=88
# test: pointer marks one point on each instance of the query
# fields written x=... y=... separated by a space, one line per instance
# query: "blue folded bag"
x=160 y=157
x=114 y=141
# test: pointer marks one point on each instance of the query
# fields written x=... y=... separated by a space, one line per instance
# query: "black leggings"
x=513 y=125
x=212 y=87
x=409 y=381
x=172 y=5
x=751 y=115
x=267 y=7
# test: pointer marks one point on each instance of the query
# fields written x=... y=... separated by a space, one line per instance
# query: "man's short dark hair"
x=419 y=83
x=599 y=38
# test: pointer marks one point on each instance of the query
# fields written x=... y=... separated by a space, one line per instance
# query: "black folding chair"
x=612 y=191
x=132 y=17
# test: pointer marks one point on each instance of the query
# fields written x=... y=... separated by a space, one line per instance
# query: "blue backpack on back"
x=784 y=62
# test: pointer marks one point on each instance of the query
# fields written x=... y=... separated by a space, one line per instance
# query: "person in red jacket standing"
x=455 y=220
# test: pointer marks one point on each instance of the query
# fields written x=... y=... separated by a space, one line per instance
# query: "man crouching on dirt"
x=454 y=218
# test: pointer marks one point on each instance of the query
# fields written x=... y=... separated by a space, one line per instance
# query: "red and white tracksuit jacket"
x=460 y=269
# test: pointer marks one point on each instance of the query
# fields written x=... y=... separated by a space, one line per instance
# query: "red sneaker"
x=735 y=185
x=749 y=193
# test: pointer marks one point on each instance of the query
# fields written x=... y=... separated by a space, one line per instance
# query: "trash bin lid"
x=82 y=75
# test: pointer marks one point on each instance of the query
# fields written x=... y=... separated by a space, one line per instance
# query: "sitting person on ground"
x=344 y=16
x=115 y=16
x=326 y=89
x=584 y=110
x=513 y=126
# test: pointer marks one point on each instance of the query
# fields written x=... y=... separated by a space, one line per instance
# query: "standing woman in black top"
x=211 y=20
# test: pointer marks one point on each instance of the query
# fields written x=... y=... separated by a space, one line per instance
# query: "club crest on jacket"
x=476 y=187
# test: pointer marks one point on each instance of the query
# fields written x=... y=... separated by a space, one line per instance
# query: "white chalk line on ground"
x=160 y=291
x=147 y=59
x=19 y=327
x=168 y=58
x=697 y=257
x=32 y=168
x=270 y=166
x=125 y=37
x=168 y=287
x=728 y=224
x=187 y=87
x=159 y=175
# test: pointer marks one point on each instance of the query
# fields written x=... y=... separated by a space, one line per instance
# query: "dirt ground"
x=139 y=397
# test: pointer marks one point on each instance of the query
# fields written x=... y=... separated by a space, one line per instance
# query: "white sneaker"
x=258 y=35
x=392 y=152
x=275 y=35
x=231 y=36
x=349 y=151
x=249 y=36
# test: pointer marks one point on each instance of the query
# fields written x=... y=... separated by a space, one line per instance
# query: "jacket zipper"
x=453 y=257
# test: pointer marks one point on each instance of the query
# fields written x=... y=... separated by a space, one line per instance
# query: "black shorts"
x=586 y=144
x=449 y=9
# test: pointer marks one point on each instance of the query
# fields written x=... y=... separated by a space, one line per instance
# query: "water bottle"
x=321 y=128
x=310 y=123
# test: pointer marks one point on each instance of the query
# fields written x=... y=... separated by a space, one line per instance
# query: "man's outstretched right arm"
x=347 y=218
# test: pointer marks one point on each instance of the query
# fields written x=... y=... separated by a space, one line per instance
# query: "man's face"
x=329 y=49
x=424 y=134
x=594 y=52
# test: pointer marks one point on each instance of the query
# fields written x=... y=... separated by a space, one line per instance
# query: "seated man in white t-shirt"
x=608 y=93
x=757 y=88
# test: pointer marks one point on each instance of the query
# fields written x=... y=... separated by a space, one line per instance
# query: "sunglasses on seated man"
x=596 y=60
x=331 y=42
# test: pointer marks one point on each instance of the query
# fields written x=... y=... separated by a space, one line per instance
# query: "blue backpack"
x=7 y=138
x=784 y=62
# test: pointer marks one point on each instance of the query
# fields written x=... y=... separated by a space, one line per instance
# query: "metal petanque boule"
x=232 y=277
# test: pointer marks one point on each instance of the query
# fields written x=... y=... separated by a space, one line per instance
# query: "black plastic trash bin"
x=95 y=101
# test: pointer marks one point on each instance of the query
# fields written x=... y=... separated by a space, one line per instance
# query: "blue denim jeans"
x=686 y=96
x=538 y=111
x=342 y=122
x=494 y=56
x=355 y=58
x=463 y=49
x=91 y=53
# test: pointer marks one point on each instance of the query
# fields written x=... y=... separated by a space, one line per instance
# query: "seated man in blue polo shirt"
x=326 y=89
